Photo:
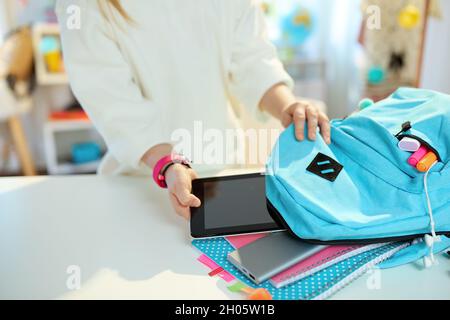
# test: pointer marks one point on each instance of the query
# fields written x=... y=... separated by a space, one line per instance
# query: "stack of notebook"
x=316 y=277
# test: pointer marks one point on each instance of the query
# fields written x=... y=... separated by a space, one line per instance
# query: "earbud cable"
x=430 y=240
x=430 y=209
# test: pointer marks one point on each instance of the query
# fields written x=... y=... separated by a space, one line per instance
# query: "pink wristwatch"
x=165 y=163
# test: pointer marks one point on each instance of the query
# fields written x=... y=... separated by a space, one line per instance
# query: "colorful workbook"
x=319 y=285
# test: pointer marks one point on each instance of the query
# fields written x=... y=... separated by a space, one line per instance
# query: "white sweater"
x=181 y=61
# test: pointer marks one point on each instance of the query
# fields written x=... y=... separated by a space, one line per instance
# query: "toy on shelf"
x=49 y=63
x=86 y=152
x=50 y=49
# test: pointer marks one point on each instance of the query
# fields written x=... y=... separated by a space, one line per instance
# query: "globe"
x=296 y=27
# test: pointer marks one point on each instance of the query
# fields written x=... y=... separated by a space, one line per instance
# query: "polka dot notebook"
x=318 y=286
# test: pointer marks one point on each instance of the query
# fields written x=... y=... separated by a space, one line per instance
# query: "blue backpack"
x=361 y=189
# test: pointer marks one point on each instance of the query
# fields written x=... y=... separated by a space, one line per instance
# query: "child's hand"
x=179 y=182
x=302 y=112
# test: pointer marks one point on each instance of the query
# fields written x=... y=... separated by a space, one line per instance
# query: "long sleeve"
x=103 y=82
x=255 y=66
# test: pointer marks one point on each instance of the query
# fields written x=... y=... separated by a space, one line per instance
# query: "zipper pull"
x=405 y=127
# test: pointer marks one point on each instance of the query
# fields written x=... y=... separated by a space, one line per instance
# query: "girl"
x=145 y=68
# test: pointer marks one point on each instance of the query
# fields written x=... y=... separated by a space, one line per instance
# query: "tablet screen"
x=234 y=204
x=231 y=205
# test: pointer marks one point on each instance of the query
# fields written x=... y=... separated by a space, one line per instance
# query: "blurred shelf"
x=68 y=125
x=60 y=136
x=66 y=168
x=305 y=61
x=48 y=79
x=307 y=69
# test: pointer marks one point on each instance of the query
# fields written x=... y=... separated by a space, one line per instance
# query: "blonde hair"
x=116 y=5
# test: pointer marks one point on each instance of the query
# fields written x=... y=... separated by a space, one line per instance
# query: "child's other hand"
x=179 y=183
x=303 y=112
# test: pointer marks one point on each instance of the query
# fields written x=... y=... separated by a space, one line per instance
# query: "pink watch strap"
x=158 y=175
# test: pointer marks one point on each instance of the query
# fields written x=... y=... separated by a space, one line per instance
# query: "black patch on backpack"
x=325 y=167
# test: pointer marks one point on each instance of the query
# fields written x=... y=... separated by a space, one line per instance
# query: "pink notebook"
x=240 y=241
x=319 y=261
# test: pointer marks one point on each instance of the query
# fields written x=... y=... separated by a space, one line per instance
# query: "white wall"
x=342 y=25
x=5 y=17
x=436 y=67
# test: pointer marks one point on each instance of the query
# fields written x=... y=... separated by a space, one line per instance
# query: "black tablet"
x=230 y=205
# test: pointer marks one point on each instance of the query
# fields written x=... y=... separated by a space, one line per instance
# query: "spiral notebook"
x=317 y=262
x=319 y=285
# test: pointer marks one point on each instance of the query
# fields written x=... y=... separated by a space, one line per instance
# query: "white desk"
x=122 y=234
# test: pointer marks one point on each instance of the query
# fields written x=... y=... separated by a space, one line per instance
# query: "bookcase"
x=60 y=135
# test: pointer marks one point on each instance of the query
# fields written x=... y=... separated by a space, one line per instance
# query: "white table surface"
x=128 y=244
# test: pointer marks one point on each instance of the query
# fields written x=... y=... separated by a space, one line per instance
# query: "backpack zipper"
x=407 y=127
